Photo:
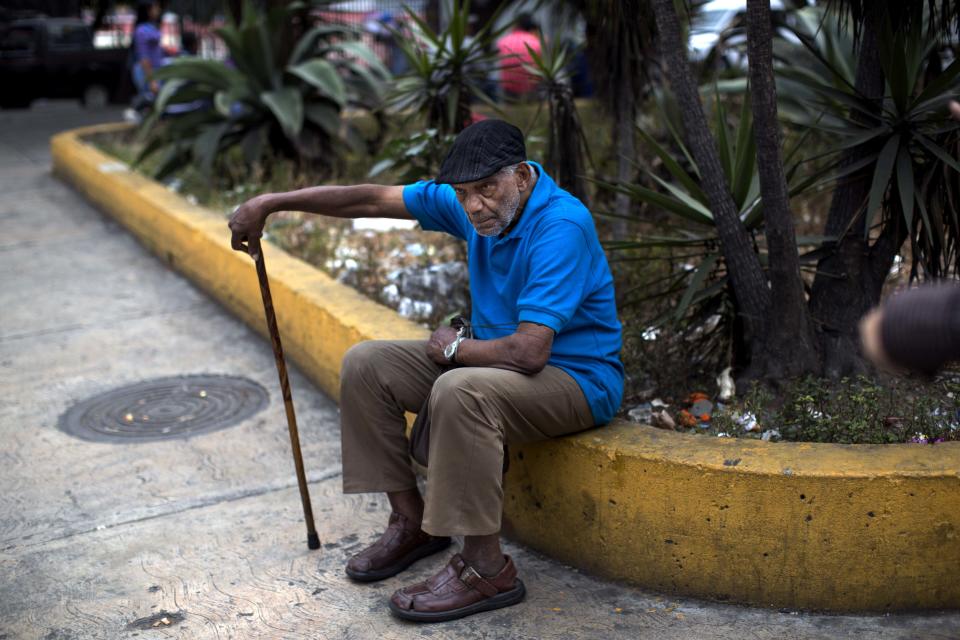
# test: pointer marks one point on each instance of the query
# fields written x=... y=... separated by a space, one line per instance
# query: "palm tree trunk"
x=743 y=265
x=432 y=14
x=790 y=347
x=849 y=280
x=566 y=144
x=620 y=43
x=235 y=8
x=624 y=123
x=103 y=6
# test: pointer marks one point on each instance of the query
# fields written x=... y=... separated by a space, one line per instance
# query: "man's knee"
x=463 y=389
x=359 y=361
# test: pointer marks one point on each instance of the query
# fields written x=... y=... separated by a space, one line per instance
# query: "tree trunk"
x=790 y=347
x=566 y=146
x=432 y=15
x=235 y=7
x=620 y=44
x=103 y=7
x=296 y=26
x=624 y=123
x=484 y=10
x=849 y=280
x=743 y=265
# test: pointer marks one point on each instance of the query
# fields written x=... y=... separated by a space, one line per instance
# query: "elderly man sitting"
x=543 y=362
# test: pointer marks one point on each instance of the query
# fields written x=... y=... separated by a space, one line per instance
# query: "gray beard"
x=505 y=214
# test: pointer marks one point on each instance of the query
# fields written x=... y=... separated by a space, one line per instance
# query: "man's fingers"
x=253 y=247
x=246 y=242
x=955 y=109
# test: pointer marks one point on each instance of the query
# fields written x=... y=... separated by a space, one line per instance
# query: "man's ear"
x=524 y=173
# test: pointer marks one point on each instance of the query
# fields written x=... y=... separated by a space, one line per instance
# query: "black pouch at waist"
x=420 y=435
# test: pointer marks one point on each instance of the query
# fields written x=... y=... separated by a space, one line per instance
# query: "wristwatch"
x=450 y=351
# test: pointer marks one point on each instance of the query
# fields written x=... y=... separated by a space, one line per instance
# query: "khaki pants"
x=473 y=412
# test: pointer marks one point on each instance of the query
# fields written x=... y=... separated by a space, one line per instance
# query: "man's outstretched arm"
x=358 y=201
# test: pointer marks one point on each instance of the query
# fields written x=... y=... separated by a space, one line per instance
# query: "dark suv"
x=55 y=58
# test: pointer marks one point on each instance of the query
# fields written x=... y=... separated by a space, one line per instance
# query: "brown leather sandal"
x=458 y=591
x=401 y=545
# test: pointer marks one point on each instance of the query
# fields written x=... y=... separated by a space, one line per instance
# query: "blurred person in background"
x=381 y=26
x=146 y=54
x=515 y=81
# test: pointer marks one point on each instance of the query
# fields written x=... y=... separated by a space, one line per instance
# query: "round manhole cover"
x=165 y=409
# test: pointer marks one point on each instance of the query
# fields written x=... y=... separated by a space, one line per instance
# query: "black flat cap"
x=481 y=150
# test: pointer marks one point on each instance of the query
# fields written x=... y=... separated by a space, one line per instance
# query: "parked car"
x=55 y=58
x=718 y=27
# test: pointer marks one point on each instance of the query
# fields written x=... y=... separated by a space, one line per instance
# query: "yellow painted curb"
x=811 y=526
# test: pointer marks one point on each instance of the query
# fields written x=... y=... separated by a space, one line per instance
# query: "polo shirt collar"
x=542 y=191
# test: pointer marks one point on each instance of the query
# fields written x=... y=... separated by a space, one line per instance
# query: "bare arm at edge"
x=358 y=201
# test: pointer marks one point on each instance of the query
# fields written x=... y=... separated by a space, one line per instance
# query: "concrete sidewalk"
x=203 y=537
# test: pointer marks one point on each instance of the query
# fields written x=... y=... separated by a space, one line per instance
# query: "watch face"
x=451 y=349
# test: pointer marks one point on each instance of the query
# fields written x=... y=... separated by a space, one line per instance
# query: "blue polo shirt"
x=549 y=269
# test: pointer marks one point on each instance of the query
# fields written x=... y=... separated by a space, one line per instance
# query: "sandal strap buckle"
x=474 y=580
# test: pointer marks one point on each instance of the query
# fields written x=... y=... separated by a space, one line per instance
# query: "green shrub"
x=271 y=99
x=857 y=410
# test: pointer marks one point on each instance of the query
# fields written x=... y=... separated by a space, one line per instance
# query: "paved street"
x=203 y=537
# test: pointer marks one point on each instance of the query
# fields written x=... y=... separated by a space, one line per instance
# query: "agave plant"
x=268 y=97
x=413 y=157
x=567 y=148
x=449 y=71
x=691 y=245
x=912 y=146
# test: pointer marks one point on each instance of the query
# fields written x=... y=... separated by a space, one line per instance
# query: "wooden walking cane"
x=313 y=541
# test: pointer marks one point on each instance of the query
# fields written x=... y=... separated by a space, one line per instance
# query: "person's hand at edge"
x=871 y=341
